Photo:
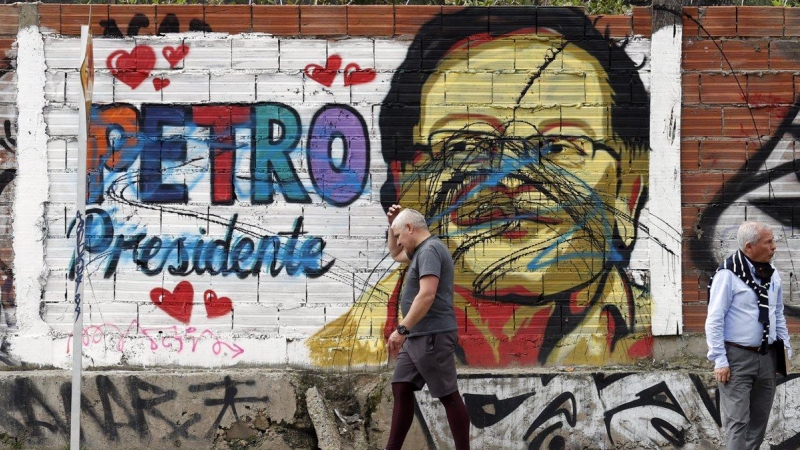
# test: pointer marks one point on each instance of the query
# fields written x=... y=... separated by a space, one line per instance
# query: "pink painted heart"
x=174 y=55
x=160 y=83
x=324 y=75
x=216 y=306
x=353 y=74
x=178 y=304
x=134 y=67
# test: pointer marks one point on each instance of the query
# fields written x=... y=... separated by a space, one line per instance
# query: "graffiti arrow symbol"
x=235 y=347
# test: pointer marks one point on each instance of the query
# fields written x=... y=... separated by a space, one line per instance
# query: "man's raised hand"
x=392 y=213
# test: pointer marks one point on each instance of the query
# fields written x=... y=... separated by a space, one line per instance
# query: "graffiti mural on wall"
x=620 y=410
x=130 y=408
x=535 y=179
x=536 y=192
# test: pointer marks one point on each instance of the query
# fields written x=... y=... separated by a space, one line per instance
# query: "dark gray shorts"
x=429 y=360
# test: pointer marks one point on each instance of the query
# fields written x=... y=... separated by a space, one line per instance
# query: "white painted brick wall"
x=60 y=53
x=208 y=54
x=61 y=120
x=103 y=91
x=256 y=52
x=55 y=86
x=233 y=87
x=186 y=87
x=296 y=54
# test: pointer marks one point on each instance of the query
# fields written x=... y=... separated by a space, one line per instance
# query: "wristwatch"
x=401 y=329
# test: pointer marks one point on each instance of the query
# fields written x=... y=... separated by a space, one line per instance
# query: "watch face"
x=402 y=329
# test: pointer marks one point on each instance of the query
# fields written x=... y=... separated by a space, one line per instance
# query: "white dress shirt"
x=733 y=315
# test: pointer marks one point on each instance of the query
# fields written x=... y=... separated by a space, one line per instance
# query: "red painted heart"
x=177 y=304
x=174 y=55
x=324 y=75
x=216 y=307
x=160 y=83
x=134 y=67
x=353 y=74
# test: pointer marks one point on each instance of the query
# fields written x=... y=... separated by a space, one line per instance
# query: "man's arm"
x=719 y=301
x=395 y=251
x=420 y=306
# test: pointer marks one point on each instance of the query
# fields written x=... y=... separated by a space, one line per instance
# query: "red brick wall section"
x=306 y=20
x=739 y=81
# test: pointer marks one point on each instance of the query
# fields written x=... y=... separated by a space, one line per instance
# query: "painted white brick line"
x=276 y=218
x=208 y=54
x=328 y=221
x=317 y=94
x=240 y=291
x=378 y=258
x=368 y=221
x=280 y=87
x=389 y=54
x=62 y=187
x=186 y=87
x=255 y=53
x=359 y=54
x=59 y=316
x=350 y=254
x=103 y=91
x=145 y=92
x=296 y=54
x=56 y=289
x=282 y=292
x=61 y=121
x=63 y=53
x=262 y=320
x=56 y=155
x=233 y=87
x=331 y=291
x=372 y=93
x=300 y=322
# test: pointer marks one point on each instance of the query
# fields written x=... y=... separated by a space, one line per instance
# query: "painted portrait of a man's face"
x=525 y=146
x=520 y=176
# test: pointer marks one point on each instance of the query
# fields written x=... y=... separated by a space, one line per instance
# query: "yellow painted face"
x=523 y=173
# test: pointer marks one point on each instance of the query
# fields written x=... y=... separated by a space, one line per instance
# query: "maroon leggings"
x=403 y=415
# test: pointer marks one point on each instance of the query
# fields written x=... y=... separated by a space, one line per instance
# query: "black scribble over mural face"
x=525 y=196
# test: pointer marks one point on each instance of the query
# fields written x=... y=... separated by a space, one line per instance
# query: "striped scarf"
x=736 y=263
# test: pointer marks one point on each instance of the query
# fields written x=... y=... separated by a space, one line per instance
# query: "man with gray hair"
x=427 y=334
x=745 y=329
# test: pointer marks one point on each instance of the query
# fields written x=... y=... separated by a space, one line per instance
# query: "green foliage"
x=786 y=3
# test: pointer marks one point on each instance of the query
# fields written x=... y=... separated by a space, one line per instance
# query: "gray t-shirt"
x=431 y=257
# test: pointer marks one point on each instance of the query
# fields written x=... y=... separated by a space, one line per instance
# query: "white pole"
x=85 y=108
